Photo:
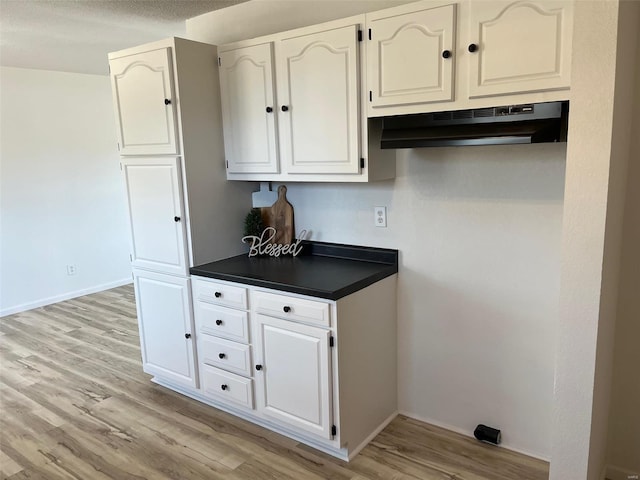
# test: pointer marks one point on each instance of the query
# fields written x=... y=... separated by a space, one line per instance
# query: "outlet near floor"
x=71 y=269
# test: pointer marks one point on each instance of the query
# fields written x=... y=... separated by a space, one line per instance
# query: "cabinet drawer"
x=222 y=322
x=225 y=354
x=291 y=308
x=220 y=294
x=227 y=386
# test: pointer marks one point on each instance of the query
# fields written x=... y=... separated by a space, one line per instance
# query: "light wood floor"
x=76 y=405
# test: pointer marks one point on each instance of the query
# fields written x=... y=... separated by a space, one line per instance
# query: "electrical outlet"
x=71 y=269
x=380 y=216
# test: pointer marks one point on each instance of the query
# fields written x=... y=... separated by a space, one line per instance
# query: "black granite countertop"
x=324 y=270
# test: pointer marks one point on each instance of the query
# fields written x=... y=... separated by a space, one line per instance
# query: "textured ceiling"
x=76 y=35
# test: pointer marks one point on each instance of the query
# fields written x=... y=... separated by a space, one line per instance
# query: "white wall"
x=598 y=152
x=479 y=233
x=263 y=17
x=624 y=438
x=62 y=200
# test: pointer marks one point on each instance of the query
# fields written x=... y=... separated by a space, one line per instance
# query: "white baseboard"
x=65 y=296
x=470 y=435
x=617 y=473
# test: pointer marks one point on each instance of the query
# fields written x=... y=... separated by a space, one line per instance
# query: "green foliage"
x=253 y=223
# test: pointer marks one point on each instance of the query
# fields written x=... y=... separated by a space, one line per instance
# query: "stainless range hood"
x=527 y=123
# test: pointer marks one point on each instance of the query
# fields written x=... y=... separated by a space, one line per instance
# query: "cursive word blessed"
x=261 y=246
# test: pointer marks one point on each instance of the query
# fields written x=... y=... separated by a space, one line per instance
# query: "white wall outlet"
x=380 y=216
x=71 y=269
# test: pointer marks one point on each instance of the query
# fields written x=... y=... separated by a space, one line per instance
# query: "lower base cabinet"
x=294 y=382
x=320 y=371
x=165 y=322
x=226 y=387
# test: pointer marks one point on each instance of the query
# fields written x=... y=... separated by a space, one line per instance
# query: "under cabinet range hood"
x=511 y=124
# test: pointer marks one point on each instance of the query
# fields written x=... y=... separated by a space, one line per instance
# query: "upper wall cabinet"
x=318 y=88
x=173 y=155
x=143 y=99
x=248 y=103
x=291 y=107
x=410 y=56
x=519 y=46
x=436 y=55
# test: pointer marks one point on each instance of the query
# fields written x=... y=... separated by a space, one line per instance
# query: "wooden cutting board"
x=280 y=216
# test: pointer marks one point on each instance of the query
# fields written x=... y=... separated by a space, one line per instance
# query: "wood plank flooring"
x=76 y=405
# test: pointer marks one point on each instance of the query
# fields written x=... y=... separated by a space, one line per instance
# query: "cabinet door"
x=248 y=110
x=411 y=57
x=144 y=103
x=520 y=46
x=293 y=385
x=165 y=323
x=318 y=115
x=154 y=193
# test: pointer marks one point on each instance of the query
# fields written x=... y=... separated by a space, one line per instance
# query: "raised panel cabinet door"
x=144 y=103
x=165 y=324
x=411 y=57
x=521 y=46
x=154 y=194
x=248 y=110
x=318 y=114
x=293 y=377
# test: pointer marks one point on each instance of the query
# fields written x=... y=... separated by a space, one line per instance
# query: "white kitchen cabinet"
x=165 y=322
x=224 y=352
x=323 y=372
x=519 y=46
x=293 y=382
x=314 y=128
x=226 y=387
x=411 y=56
x=228 y=355
x=318 y=79
x=182 y=211
x=154 y=198
x=248 y=104
x=187 y=182
x=144 y=102
x=436 y=55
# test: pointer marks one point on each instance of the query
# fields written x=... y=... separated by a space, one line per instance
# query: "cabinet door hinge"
x=130 y=258
x=362 y=163
x=120 y=166
x=370 y=96
x=359 y=35
x=118 y=146
x=219 y=62
x=331 y=341
x=227 y=163
x=369 y=34
x=334 y=430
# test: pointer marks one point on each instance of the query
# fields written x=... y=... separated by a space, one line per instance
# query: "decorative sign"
x=262 y=245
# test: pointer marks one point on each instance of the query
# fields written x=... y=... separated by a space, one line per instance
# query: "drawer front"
x=220 y=294
x=227 y=386
x=290 y=308
x=225 y=354
x=222 y=322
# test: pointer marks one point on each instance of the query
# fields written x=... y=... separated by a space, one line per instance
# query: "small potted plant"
x=253 y=224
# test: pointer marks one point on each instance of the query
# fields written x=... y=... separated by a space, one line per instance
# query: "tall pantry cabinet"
x=182 y=211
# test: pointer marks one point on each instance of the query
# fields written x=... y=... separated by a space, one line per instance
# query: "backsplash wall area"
x=479 y=232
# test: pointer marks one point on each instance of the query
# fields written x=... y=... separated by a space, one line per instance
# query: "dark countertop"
x=324 y=270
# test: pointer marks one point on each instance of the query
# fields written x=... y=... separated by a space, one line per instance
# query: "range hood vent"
x=512 y=124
